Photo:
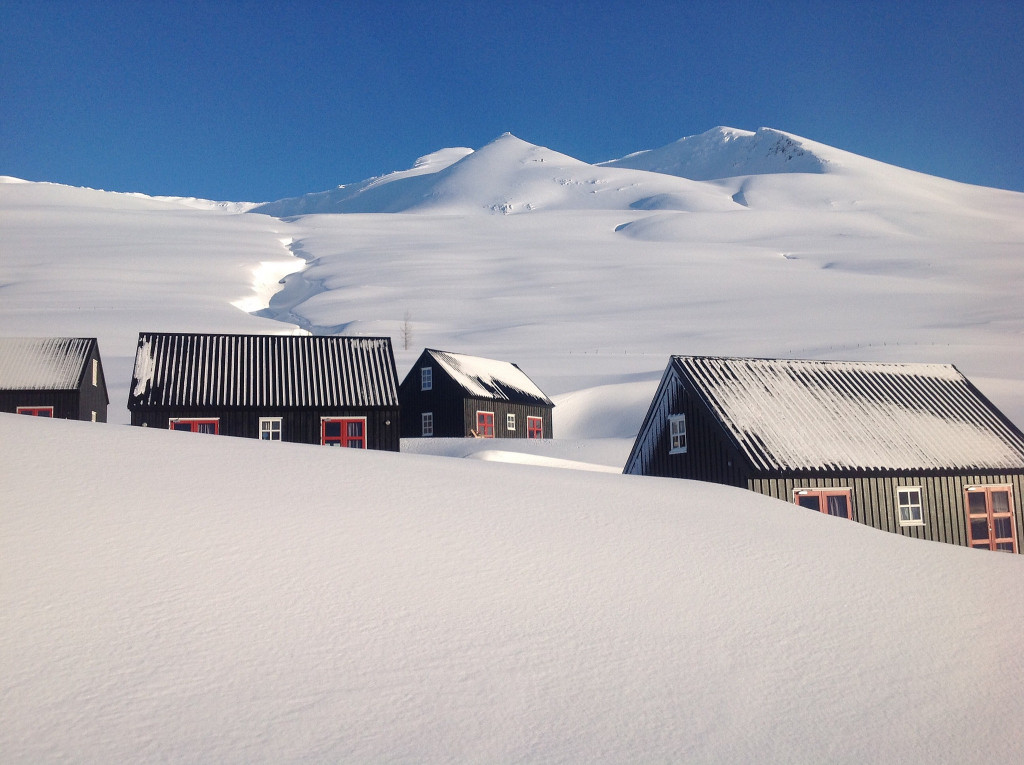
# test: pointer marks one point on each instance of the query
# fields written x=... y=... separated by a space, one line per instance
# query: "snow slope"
x=181 y=598
x=594 y=279
x=724 y=152
x=506 y=176
x=346 y=606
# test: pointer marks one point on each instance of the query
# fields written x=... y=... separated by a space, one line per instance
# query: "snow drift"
x=227 y=600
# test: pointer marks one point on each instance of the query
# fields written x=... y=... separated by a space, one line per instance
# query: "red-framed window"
x=828 y=501
x=535 y=427
x=990 y=523
x=485 y=424
x=349 y=432
x=36 y=411
x=195 y=424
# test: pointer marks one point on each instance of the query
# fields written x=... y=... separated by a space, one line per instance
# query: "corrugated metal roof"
x=263 y=370
x=805 y=415
x=43 y=363
x=490 y=378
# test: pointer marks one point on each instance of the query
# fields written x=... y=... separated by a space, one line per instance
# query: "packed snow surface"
x=179 y=597
x=198 y=598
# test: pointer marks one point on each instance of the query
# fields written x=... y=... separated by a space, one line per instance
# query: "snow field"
x=175 y=597
x=229 y=600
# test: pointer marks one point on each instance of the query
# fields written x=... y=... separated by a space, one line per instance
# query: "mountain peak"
x=725 y=152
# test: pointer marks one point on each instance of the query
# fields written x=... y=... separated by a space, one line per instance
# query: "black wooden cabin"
x=53 y=377
x=452 y=395
x=914 y=449
x=336 y=391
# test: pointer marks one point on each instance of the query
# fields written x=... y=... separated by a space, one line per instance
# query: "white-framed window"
x=908 y=502
x=426 y=378
x=427 y=424
x=270 y=428
x=677 y=434
x=95 y=372
x=510 y=422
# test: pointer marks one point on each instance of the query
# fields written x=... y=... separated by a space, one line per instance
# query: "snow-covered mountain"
x=173 y=597
x=517 y=251
x=724 y=152
x=510 y=175
x=506 y=176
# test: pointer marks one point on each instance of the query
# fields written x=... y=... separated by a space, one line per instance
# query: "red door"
x=485 y=424
x=990 y=524
x=534 y=427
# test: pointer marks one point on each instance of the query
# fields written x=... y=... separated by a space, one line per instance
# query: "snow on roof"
x=43 y=363
x=827 y=415
x=263 y=370
x=490 y=378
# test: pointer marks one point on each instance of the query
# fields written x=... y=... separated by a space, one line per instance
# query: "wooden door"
x=990 y=523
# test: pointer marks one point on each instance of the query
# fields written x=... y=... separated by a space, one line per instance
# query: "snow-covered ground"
x=181 y=597
x=209 y=599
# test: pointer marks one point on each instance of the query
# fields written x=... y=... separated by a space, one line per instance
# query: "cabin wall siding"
x=713 y=454
x=443 y=400
x=501 y=410
x=708 y=456
x=300 y=426
x=93 y=398
x=454 y=411
x=64 y=402
x=873 y=500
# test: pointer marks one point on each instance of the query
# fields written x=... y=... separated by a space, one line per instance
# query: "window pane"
x=206 y=427
x=910 y=496
x=1005 y=547
x=1003 y=527
x=976 y=502
x=979 y=529
x=1000 y=502
x=332 y=429
x=355 y=429
x=838 y=506
x=810 y=501
x=181 y=426
x=44 y=413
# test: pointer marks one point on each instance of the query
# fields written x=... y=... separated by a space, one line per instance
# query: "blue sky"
x=257 y=101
